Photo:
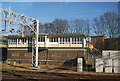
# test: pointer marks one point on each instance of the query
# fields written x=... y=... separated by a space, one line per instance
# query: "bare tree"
x=79 y=26
x=107 y=24
x=59 y=26
x=45 y=28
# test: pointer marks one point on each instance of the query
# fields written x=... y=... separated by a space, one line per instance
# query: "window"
x=29 y=40
x=13 y=41
x=64 y=40
x=53 y=39
x=23 y=40
x=19 y=41
x=76 y=40
x=41 y=39
x=61 y=40
x=68 y=39
x=73 y=40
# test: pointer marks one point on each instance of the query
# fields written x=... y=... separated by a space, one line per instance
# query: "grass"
x=54 y=68
x=24 y=66
x=8 y=66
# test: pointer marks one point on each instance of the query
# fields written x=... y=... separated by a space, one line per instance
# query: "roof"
x=97 y=36
x=49 y=35
x=111 y=38
x=67 y=35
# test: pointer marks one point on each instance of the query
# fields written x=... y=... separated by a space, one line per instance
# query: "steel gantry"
x=8 y=16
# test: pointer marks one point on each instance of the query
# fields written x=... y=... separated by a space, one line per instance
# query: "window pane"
x=39 y=39
x=56 y=40
x=61 y=40
x=43 y=39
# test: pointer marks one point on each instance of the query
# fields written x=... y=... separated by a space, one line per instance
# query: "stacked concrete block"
x=110 y=62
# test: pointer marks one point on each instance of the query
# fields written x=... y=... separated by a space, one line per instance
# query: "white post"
x=46 y=42
x=21 y=42
x=58 y=41
x=79 y=64
x=37 y=33
x=17 y=42
x=85 y=42
x=70 y=41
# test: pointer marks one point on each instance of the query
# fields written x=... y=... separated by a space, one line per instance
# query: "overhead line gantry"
x=8 y=16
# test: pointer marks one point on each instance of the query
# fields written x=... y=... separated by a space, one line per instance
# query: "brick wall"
x=46 y=56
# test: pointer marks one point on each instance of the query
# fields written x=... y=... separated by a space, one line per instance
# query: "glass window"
x=41 y=39
x=76 y=40
x=73 y=40
x=13 y=41
x=50 y=39
x=23 y=40
x=68 y=39
x=53 y=39
x=29 y=40
x=64 y=40
x=9 y=41
x=80 y=40
x=18 y=40
x=61 y=40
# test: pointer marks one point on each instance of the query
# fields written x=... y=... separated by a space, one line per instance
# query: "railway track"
x=34 y=75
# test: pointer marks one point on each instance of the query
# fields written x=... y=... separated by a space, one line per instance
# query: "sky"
x=48 y=11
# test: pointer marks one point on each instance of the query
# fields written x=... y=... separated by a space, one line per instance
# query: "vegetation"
x=106 y=24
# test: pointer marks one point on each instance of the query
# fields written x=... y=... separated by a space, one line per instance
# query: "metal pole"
x=23 y=20
x=37 y=33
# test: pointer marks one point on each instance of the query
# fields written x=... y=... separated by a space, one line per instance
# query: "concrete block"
x=108 y=69
x=99 y=65
x=115 y=62
x=116 y=69
x=79 y=64
x=108 y=62
x=108 y=65
x=106 y=54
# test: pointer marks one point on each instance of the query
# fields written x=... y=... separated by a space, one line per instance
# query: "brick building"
x=103 y=43
x=112 y=44
x=98 y=42
x=53 y=48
